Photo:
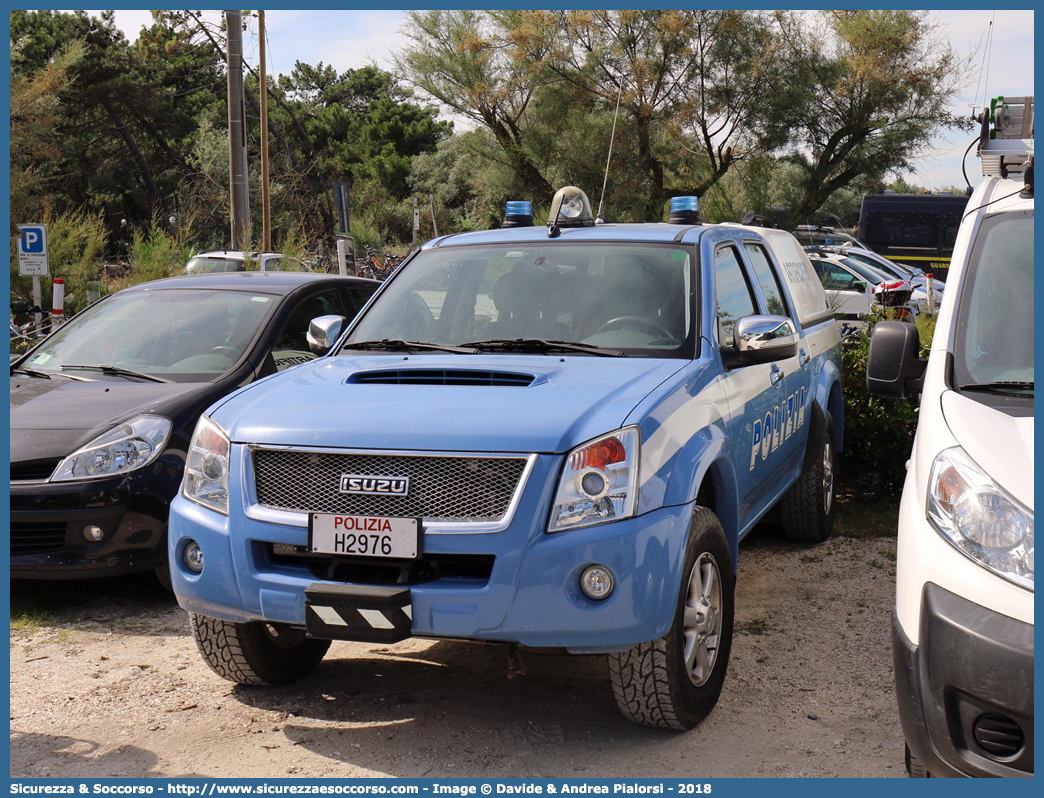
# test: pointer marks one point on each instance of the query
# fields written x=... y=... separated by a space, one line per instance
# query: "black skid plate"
x=367 y=614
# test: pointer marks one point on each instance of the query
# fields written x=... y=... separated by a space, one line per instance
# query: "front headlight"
x=125 y=447
x=979 y=518
x=599 y=482
x=206 y=467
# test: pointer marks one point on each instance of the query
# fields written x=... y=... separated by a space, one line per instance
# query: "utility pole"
x=237 y=158
x=266 y=206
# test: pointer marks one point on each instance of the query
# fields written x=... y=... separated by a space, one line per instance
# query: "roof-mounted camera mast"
x=1006 y=136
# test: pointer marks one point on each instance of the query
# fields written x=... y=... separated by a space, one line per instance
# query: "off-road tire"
x=808 y=507
x=651 y=681
x=256 y=653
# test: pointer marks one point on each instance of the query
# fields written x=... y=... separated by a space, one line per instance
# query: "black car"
x=103 y=409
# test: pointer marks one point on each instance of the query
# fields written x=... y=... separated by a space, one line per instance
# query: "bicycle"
x=372 y=267
x=31 y=330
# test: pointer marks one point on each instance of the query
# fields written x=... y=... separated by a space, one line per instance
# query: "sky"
x=351 y=39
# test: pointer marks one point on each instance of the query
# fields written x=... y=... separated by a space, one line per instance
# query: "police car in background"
x=962 y=630
x=544 y=437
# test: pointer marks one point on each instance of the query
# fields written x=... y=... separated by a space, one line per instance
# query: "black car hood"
x=54 y=417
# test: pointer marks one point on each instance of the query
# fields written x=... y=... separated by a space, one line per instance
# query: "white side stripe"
x=329 y=616
x=408 y=609
x=376 y=619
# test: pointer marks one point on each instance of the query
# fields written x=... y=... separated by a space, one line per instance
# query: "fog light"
x=93 y=533
x=193 y=557
x=597 y=582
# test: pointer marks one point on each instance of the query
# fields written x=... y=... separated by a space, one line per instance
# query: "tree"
x=35 y=113
x=869 y=89
x=463 y=59
x=692 y=88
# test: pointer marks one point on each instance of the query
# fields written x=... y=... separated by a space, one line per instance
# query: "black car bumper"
x=966 y=693
x=48 y=522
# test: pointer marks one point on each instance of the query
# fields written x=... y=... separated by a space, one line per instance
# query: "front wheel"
x=808 y=507
x=674 y=682
x=256 y=653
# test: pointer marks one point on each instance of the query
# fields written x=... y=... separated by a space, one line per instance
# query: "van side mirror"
x=860 y=288
x=893 y=368
x=323 y=331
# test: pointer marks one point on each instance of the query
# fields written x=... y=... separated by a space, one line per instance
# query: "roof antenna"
x=600 y=218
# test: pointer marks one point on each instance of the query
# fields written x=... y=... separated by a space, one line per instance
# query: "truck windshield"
x=993 y=346
x=630 y=298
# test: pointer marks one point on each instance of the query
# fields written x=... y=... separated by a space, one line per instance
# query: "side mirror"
x=893 y=368
x=763 y=339
x=323 y=332
x=859 y=288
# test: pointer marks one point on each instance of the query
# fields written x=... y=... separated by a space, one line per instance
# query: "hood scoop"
x=443 y=377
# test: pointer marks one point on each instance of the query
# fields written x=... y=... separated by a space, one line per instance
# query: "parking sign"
x=32 y=250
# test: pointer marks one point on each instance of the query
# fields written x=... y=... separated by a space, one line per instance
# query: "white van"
x=962 y=629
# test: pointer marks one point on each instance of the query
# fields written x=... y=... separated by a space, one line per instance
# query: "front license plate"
x=364 y=536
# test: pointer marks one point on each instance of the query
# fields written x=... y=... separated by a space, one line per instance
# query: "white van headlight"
x=127 y=446
x=599 y=482
x=206 y=467
x=979 y=518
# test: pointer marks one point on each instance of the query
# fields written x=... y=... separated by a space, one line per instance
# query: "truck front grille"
x=441 y=488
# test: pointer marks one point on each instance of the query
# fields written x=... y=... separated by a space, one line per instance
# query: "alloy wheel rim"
x=701 y=620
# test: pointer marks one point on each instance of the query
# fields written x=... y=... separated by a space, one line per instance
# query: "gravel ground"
x=107 y=683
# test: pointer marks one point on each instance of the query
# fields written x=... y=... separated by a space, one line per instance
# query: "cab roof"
x=652 y=233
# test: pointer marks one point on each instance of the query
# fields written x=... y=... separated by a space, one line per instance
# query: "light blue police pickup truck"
x=541 y=437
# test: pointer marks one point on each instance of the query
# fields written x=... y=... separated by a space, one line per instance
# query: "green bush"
x=878 y=432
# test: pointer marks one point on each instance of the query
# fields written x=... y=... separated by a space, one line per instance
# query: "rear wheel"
x=256 y=653
x=674 y=682
x=808 y=507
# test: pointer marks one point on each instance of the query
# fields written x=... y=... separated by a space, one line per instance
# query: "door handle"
x=776 y=376
x=803 y=359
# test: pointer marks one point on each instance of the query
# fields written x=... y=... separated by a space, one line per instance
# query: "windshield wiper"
x=398 y=344
x=114 y=370
x=31 y=372
x=1001 y=386
x=542 y=345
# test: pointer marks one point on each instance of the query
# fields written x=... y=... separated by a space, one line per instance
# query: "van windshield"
x=630 y=298
x=993 y=346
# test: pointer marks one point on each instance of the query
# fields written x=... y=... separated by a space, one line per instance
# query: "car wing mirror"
x=323 y=331
x=763 y=339
x=893 y=368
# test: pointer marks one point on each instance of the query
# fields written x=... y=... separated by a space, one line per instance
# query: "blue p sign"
x=32 y=240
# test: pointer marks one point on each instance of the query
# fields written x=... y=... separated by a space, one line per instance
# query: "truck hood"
x=1001 y=444
x=54 y=417
x=482 y=403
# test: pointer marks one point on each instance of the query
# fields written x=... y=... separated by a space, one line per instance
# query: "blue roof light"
x=518 y=213
x=685 y=210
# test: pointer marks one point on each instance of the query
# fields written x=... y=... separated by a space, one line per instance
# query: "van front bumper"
x=966 y=692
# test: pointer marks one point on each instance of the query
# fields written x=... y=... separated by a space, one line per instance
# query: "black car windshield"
x=626 y=298
x=179 y=335
x=993 y=345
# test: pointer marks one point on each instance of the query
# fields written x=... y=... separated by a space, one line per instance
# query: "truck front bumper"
x=530 y=594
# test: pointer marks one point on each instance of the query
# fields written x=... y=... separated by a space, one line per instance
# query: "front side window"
x=291 y=345
x=184 y=335
x=626 y=297
x=993 y=342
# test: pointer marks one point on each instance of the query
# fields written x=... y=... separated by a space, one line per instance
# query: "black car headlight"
x=126 y=447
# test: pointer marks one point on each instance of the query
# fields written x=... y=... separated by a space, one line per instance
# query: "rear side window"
x=734 y=298
x=767 y=280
